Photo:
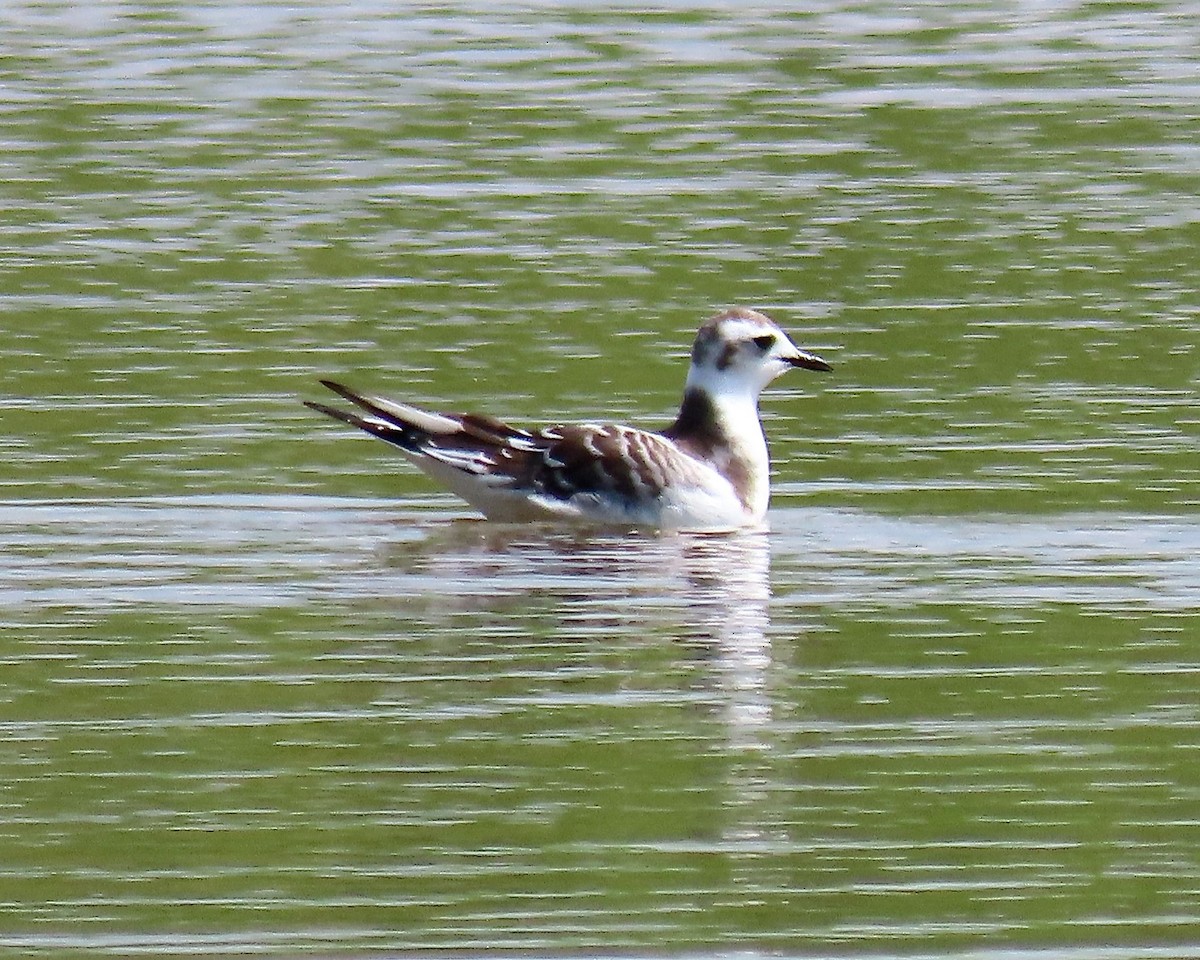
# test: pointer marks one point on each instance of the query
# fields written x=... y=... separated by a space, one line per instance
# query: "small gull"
x=709 y=470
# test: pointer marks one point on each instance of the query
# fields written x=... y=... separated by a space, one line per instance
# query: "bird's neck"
x=723 y=430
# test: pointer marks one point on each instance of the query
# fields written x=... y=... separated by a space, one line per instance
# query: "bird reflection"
x=728 y=591
x=703 y=599
x=709 y=593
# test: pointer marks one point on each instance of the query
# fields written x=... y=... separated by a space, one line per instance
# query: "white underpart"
x=702 y=501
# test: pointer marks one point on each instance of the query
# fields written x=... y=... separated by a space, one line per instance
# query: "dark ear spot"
x=728 y=355
x=765 y=342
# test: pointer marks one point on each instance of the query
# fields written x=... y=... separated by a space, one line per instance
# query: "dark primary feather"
x=391 y=432
x=411 y=429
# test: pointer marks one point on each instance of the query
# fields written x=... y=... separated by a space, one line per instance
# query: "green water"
x=267 y=691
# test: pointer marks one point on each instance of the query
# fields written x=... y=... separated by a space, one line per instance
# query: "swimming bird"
x=709 y=470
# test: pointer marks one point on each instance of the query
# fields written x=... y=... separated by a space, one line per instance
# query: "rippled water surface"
x=267 y=691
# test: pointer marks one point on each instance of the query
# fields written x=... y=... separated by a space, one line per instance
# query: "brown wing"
x=604 y=460
x=559 y=462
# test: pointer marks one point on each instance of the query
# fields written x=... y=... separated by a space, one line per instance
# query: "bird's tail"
x=405 y=426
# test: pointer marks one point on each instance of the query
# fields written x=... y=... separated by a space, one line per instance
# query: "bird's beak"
x=809 y=361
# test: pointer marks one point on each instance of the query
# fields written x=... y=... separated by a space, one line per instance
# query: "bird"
x=707 y=471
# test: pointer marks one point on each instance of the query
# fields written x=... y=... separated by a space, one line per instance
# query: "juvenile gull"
x=709 y=470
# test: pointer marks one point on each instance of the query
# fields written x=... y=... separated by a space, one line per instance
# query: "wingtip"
x=340 y=389
x=325 y=409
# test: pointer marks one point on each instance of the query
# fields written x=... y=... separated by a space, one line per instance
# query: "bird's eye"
x=765 y=342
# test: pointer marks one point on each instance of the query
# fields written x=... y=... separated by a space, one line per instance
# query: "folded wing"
x=567 y=463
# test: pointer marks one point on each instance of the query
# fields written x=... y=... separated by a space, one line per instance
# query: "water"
x=268 y=692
